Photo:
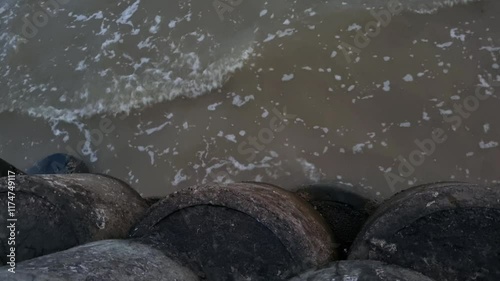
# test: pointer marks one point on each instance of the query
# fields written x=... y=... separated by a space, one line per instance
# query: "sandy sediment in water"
x=352 y=120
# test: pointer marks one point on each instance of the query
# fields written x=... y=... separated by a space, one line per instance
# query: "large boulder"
x=56 y=212
x=239 y=231
x=448 y=231
x=107 y=260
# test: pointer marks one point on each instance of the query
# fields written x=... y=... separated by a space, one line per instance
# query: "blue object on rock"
x=59 y=163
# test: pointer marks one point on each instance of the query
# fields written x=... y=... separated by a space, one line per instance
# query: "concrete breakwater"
x=57 y=212
x=80 y=226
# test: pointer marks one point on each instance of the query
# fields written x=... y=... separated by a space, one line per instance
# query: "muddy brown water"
x=347 y=121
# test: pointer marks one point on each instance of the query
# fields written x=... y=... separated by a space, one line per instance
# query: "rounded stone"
x=448 y=231
x=361 y=271
x=344 y=210
x=238 y=231
x=110 y=260
x=56 y=212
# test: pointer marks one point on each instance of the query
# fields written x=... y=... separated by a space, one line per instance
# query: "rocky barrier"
x=95 y=227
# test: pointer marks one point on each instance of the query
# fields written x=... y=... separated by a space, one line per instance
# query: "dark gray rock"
x=447 y=231
x=344 y=210
x=107 y=260
x=239 y=231
x=152 y=200
x=361 y=271
x=5 y=167
x=56 y=212
x=59 y=163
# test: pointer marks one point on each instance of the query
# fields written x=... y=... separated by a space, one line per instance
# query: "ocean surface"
x=166 y=94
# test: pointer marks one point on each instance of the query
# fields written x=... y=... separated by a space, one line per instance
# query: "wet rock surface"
x=110 y=260
x=344 y=210
x=152 y=200
x=362 y=271
x=5 y=167
x=61 y=211
x=447 y=231
x=238 y=231
x=224 y=244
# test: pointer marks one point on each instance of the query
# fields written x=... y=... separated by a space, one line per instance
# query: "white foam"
x=486 y=127
x=455 y=35
x=358 y=148
x=431 y=7
x=179 y=177
x=213 y=106
x=128 y=13
x=239 y=102
x=157 y=129
x=154 y=89
x=425 y=116
x=96 y=16
x=231 y=138
x=354 y=26
x=408 y=78
x=486 y=145
x=444 y=45
x=154 y=28
x=287 y=77
x=387 y=86
x=310 y=170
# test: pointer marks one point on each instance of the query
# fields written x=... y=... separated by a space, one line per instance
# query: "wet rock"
x=239 y=231
x=109 y=260
x=152 y=200
x=344 y=210
x=56 y=212
x=447 y=231
x=59 y=163
x=361 y=271
x=5 y=167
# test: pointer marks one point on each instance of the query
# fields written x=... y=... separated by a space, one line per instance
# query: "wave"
x=90 y=57
x=151 y=87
